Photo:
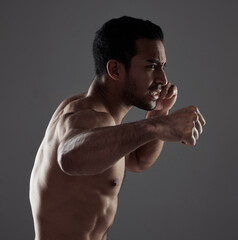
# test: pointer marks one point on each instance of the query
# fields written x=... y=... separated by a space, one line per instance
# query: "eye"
x=152 y=67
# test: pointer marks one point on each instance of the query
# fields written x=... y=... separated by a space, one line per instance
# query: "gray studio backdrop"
x=190 y=193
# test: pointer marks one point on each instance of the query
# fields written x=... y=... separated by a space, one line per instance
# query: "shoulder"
x=87 y=118
x=83 y=120
x=66 y=103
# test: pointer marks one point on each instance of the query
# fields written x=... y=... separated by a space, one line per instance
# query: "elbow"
x=135 y=164
x=73 y=164
x=65 y=161
x=141 y=168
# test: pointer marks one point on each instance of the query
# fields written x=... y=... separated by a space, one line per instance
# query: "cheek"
x=141 y=79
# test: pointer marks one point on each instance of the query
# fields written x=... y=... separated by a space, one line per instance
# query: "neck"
x=108 y=95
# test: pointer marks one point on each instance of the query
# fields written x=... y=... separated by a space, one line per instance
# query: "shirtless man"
x=80 y=165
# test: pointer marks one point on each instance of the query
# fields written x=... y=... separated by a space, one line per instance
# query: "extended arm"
x=93 y=151
x=90 y=152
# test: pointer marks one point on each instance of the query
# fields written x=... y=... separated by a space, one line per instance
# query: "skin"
x=80 y=165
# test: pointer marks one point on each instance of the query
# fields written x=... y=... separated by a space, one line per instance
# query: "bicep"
x=73 y=128
x=132 y=162
x=76 y=132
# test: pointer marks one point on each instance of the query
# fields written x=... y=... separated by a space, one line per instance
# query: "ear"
x=113 y=69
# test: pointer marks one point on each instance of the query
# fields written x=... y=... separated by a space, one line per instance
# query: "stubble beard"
x=132 y=98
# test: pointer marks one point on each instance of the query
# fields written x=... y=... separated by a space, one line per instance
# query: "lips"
x=155 y=93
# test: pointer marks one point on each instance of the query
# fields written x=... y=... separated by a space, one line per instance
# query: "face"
x=146 y=76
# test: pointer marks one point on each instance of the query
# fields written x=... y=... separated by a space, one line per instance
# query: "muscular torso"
x=71 y=207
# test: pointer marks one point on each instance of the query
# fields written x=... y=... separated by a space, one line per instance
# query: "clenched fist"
x=184 y=125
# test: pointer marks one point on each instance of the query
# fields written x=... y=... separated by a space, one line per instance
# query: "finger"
x=198 y=126
x=194 y=116
x=191 y=141
x=172 y=91
x=191 y=137
x=164 y=91
x=195 y=133
x=201 y=118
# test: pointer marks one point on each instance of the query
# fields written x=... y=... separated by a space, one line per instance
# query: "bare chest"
x=107 y=183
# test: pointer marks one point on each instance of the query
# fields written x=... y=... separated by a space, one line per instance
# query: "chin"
x=146 y=106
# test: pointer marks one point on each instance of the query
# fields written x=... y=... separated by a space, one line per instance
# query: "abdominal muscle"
x=76 y=208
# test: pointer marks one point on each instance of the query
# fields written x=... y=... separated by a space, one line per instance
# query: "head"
x=132 y=42
x=116 y=39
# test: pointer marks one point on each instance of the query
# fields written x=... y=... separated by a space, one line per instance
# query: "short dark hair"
x=116 y=39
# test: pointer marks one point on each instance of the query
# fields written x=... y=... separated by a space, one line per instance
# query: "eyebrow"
x=155 y=61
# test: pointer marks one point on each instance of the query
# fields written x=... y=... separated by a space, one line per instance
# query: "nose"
x=161 y=78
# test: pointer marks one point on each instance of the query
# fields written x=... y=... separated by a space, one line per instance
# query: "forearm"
x=144 y=156
x=95 y=151
x=147 y=154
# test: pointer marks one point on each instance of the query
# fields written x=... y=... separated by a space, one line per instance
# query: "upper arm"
x=82 y=121
x=73 y=129
x=134 y=164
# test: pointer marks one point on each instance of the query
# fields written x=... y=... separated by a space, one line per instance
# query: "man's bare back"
x=67 y=207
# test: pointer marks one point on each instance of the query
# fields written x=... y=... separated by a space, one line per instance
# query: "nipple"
x=115 y=182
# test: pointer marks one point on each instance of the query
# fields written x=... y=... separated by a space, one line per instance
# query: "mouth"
x=155 y=94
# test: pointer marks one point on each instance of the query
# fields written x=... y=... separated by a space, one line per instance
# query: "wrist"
x=158 y=113
x=158 y=126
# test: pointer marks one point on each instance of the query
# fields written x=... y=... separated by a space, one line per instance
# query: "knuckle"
x=193 y=108
x=196 y=117
x=168 y=85
x=175 y=88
